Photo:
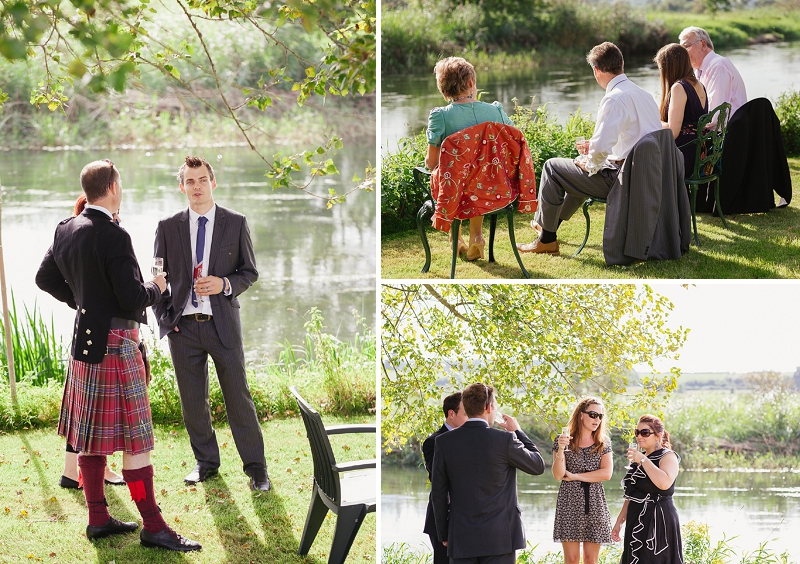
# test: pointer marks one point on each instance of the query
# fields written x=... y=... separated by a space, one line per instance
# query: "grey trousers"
x=509 y=558
x=565 y=186
x=190 y=348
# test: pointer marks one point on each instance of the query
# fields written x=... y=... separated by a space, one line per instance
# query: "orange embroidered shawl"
x=482 y=169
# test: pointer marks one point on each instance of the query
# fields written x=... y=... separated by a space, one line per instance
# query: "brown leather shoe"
x=538 y=247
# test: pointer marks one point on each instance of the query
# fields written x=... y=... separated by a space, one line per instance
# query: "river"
x=754 y=507
x=768 y=70
x=306 y=255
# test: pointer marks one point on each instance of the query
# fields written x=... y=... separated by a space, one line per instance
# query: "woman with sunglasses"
x=582 y=461
x=653 y=531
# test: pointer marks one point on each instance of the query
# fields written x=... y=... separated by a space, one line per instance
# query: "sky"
x=740 y=327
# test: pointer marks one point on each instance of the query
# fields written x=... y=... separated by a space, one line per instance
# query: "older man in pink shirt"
x=722 y=81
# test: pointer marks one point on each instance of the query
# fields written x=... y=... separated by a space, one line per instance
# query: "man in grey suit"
x=209 y=260
x=475 y=468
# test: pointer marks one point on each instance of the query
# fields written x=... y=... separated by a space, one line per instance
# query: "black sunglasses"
x=644 y=432
x=594 y=415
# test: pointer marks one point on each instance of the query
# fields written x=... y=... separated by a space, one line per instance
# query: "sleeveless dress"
x=581 y=510
x=691 y=114
x=652 y=528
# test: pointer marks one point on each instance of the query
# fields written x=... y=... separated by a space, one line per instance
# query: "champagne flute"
x=565 y=432
x=158 y=266
x=632 y=444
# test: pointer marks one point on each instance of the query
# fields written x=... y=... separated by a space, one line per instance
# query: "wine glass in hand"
x=158 y=266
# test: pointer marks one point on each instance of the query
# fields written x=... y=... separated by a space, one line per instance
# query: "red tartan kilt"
x=106 y=407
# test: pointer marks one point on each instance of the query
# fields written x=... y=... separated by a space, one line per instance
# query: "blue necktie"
x=199 y=249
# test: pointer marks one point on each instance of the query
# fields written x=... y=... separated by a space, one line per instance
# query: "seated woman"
x=455 y=79
x=683 y=101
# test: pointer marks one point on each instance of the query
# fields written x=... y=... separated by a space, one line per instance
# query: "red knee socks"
x=140 y=483
x=93 y=471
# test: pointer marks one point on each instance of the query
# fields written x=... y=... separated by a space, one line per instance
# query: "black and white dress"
x=652 y=529
x=581 y=510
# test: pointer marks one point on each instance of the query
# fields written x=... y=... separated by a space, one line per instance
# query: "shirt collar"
x=614 y=81
x=449 y=427
x=710 y=56
x=99 y=208
x=209 y=215
x=481 y=419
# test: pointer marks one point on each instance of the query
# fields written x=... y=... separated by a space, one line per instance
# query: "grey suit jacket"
x=231 y=256
x=648 y=214
x=477 y=467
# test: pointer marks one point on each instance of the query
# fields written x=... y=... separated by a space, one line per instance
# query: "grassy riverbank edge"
x=408 y=50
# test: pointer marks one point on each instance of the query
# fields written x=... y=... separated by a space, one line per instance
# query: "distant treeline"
x=416 y=33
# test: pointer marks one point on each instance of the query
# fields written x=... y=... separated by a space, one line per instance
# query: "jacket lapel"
x=186 y=243
x=216 y=237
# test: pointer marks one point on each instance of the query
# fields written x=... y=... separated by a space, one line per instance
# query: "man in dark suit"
x=454 y=417
x=91 y=267
x=209 y=260
x=475 y=468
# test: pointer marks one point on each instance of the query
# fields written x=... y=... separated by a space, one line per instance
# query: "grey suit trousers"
x=565 y=186
x=190 y=348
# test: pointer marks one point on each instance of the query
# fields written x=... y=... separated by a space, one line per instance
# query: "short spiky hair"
x=606 y=57
x=195 y=162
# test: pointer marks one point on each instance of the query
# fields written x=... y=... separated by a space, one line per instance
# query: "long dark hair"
x=599 y=435
x=674 y=64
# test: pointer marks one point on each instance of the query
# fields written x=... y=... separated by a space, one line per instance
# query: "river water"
x=306 y=255
x=768 y=70
x=754 y=507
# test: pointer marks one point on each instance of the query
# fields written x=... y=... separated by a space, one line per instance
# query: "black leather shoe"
x=69 y=483
x=259 y=480
x=201 y=473
x=113 y=527
x=169 y=539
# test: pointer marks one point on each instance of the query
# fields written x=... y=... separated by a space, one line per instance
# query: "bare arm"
x=663 y=475
x=432 y=160
x=677 y=107
x=559 y=458
x=601 y=475
x=623 y=513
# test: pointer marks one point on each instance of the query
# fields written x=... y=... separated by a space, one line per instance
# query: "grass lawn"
x=41 y=522
x=763 y=245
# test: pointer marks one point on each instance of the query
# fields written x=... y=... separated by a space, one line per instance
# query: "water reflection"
x=755 y=507
x=307 y=255
x=768 y=70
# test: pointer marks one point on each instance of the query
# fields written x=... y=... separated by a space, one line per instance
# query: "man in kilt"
x=91 y=267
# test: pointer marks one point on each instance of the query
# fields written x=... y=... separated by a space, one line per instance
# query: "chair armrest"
x=354 y=465
x=342 y=429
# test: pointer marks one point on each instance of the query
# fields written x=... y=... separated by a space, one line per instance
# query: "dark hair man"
x=626 y=114
x=91 y=267
x=209 y=256
x=474 y=482
x=454 y=417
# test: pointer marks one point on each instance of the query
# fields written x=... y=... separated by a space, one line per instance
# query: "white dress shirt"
x=100 y=208
x=205 y=305
x=626 y=114
x=722 y=81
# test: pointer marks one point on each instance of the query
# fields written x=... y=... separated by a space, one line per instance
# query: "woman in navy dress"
x=683 y=101
x=652 y=527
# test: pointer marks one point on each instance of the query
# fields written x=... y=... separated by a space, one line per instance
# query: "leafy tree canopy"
x=107 y=44
x=541 y=346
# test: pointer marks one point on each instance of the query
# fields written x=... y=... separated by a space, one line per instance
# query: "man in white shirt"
x=626 y=114
x=722 y=81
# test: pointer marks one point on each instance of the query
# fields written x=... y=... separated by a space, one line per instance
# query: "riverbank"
x=709 y=430
x=41 y=522
x=416 y=35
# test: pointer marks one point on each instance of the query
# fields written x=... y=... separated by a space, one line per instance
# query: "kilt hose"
x=106 y=408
